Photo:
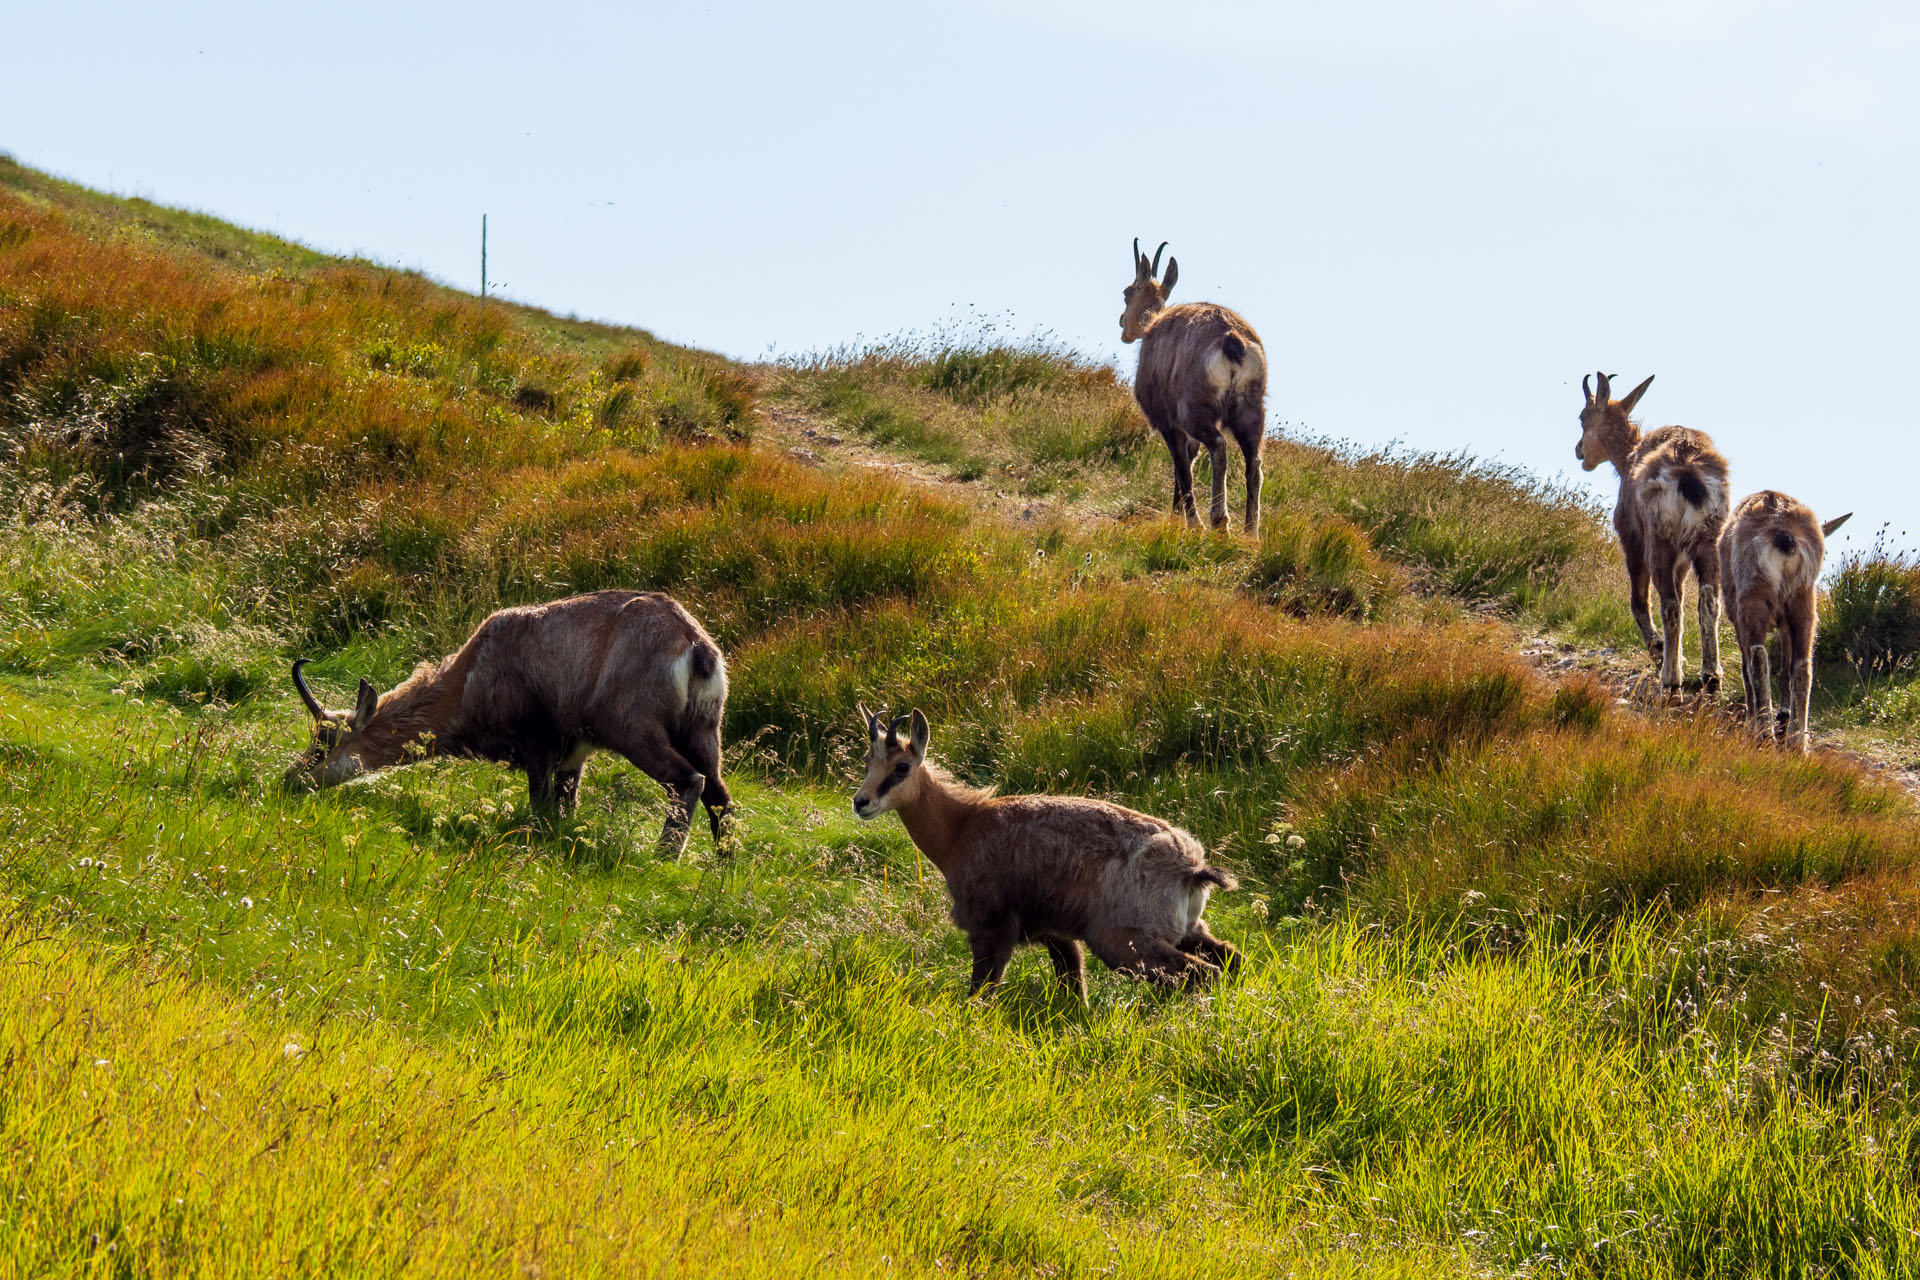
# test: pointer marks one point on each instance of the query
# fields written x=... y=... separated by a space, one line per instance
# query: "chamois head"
x=1146 y=295
x=1606 y=434
x=893 y=766
x=334 y=755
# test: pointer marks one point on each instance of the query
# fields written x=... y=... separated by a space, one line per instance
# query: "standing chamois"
x=1770 y=560
x=1051 y=869
x=1673 y=502
x=542 y=688
x=1201 y=367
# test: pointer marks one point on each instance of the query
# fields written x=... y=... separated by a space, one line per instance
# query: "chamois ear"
x=365 y=705
x=920 y=733
x=869 y=720
x=1826 y=530
x=1173 y=273
x=1633 y=396
x=1602 y=388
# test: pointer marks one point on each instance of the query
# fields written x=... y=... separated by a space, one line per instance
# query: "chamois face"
x=1604 y=419
x=333 y=756
x=893 y=766
x=1145 y=296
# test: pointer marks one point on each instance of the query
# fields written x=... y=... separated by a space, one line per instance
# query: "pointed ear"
x=1826 y=530
x=365 y=705
x=869 y=720
x=1633 y=396
x=1602 y=388
x=1173 y=273
x=920 y=733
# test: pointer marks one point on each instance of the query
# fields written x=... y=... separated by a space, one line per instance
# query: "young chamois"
x=542 y=688
x=1673 y=502
x=1201 y=367
x=1050 y=869
x=1770 y=559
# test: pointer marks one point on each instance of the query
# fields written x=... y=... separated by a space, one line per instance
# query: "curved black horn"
x=893 y=727
x=1586 y=389
x=1156 y=258
x=306 y=694
x=1137 y=259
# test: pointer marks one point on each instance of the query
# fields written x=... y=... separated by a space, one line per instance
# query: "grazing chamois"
x=1051 y=869
x=542 y=688
x=1770 y=558
x=1201 y=368
x=1673 y=502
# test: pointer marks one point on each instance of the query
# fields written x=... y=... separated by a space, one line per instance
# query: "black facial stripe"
x=894 y=779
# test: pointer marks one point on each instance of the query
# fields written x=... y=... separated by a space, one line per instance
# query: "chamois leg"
x=1669 y=573
x=651 y=753
x=1634 y=548
x=566 y=789
x=1706 y=573
x=1755 y=670
x=992 y=947
x=1249 y=428
x=1182 y=450
x=703 y=751
x=1139 y=954
x=1069 y=965
x=1220 y=954
x=1796 y=653
x=1217 y=456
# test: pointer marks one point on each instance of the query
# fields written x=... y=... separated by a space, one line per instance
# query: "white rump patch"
x=708 y=695
x=1223 y=375
x=1783 y=570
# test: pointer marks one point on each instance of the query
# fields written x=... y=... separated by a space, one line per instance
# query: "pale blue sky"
x=1438 y=215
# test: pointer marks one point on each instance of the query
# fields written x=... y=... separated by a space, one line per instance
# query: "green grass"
x=1532 y=985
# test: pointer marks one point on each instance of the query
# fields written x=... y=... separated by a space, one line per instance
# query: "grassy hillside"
x=1533 y=984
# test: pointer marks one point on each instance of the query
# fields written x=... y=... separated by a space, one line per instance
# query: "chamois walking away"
x=1770 y=558
x=1673 y=502
x=542 y=688
x=1201 y=368
x=1050 y=869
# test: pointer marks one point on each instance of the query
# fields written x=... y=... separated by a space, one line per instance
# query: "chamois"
x=1050 y=869
x=1672 y=504
x=1770 y=559
x=542 y=688
x=1201 y=367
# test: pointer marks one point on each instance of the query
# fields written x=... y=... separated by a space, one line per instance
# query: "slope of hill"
x=1533 y=983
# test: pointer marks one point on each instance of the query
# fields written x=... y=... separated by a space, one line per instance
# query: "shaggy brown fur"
x=1201 y=367
x=1770 y=558
x=1056 y=870
x=1672 y=505
x=542 y=688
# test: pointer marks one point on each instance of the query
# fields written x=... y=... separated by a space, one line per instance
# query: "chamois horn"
x=1586 y=388
x=306 y=694
x=1156 y=259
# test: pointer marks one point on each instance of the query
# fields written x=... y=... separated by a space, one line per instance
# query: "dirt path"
x=1635 y=683
x=820 y=442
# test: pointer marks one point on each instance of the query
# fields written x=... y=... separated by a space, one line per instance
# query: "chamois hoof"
x=1710 y=682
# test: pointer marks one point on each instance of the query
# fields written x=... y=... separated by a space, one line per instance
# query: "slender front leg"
x=1706 y=571
x=1182 y=450
x=1069 y=965
x=992 y=947
x=1638 y=576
